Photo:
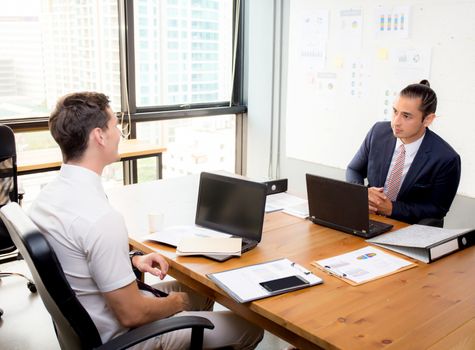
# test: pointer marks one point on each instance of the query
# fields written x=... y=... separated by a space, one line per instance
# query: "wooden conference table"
x=427 y=307
x=35 y=161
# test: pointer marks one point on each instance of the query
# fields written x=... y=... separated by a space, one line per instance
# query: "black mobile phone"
x=283 y=283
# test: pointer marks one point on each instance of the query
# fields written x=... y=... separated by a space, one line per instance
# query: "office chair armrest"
x=150 y=330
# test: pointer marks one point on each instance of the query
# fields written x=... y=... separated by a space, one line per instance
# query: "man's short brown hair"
x=73 y=119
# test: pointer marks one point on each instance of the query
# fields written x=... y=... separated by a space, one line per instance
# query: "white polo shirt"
x=90 y=239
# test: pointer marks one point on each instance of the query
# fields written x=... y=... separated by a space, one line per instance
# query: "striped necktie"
x=394 y=179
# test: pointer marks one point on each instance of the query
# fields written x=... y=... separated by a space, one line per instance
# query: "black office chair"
x=74 y=327
x=8 y=192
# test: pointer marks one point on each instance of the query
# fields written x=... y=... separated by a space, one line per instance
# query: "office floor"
x=26 y=324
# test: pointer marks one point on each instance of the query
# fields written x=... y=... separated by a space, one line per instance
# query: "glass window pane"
x=193 y=38
x=193 y=145
x=31 y=184
x=50 y=48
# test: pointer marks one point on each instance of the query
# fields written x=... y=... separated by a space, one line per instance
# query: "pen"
x=334 y=271
x=300 y=268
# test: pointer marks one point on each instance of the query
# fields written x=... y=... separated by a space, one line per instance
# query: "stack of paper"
x=290 y=204
x=174 y=234
x=209 y=246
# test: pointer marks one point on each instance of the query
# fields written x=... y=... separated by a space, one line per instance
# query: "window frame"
x=162 y=112
x=127 y=73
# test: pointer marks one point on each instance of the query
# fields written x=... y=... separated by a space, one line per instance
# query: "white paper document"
x=243 y=284
x=209 y=245
x=363 y=265
x=174 y=234
x=298 y=210
x=288 y=203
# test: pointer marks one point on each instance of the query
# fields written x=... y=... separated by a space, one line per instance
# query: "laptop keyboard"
x=376 y=226
x=246 y=244
x=372 y=226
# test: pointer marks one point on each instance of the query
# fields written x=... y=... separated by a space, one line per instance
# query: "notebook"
x=342 y=206
x=231 y=205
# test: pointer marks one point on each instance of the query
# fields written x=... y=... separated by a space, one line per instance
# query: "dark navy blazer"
x=430 y=184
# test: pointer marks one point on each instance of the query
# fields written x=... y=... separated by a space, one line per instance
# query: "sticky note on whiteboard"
x=383 y=54
x=338 y=62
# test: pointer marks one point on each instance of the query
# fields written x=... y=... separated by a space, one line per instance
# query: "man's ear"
x=97 y=136
x=428 y=119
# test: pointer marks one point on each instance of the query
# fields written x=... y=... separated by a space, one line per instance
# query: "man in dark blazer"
x=430 y=166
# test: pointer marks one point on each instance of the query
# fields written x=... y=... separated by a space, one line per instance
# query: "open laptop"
x=342 y=206
x=231 y=205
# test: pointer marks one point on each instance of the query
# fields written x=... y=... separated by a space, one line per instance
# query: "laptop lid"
x=338 y=204
x=231 y=205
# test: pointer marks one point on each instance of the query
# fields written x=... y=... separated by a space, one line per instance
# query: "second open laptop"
x=231 y=205
x=342 y=206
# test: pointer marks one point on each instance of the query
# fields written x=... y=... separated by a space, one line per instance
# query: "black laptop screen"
x=231 y=205
x=338 y=203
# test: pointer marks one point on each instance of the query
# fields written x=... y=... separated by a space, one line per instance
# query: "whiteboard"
x=348 y=60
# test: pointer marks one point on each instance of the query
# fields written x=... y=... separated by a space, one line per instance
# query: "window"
x=42 y=141
x=193 y=145
x=202 y=34
x=41 y=60
x=183 y=55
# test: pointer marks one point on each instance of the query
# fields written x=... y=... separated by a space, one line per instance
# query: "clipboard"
x=245 y=284
x=363 y=265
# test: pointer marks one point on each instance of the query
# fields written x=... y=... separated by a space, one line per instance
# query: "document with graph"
x=363 y=265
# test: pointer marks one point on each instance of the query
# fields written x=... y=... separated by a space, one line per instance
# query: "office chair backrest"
x=8 y=167
x=74 y=327
x=8 y=182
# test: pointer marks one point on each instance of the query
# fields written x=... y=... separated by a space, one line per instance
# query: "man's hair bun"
x=425 y=82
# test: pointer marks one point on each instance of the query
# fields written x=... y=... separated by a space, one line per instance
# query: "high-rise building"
x=183 y=51
x=183 y=56
x=21 y=73
x=81 y=48
x=53 y=47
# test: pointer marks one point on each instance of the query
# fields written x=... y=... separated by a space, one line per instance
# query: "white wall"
x=266 y=98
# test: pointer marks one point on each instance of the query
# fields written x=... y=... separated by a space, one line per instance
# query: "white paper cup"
x=155 y=222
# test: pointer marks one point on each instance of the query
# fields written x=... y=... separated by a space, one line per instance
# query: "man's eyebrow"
x=405 y=113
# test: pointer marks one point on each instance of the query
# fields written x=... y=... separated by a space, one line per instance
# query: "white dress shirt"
x=411 y=151
x=90 y=239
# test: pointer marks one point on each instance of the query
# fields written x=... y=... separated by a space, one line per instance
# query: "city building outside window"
x=192 y=37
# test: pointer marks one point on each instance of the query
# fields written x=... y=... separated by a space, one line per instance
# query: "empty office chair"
x=8 y=187
x=74 y=327
x=8 y=192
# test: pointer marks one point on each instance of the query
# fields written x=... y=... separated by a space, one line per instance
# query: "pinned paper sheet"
x=209 y=245
x=338 y=62
x=383 y=54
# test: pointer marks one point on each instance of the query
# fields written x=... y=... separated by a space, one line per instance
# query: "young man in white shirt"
x=91 y=242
